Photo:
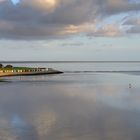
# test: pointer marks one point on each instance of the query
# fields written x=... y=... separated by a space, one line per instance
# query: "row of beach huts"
x=11 y=69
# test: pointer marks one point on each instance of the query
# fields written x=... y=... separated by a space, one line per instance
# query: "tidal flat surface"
x=70 y=106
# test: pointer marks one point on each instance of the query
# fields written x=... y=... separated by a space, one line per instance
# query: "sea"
x=89 y=101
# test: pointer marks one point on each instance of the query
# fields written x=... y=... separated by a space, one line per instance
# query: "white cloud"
x=109 y=30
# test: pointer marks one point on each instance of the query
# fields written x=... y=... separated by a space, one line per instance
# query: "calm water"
x=80 y=104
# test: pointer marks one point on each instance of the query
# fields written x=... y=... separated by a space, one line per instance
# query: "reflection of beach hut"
x=1 y=66
x=8 y=66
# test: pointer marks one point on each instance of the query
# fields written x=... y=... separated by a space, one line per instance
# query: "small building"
x=42 y=69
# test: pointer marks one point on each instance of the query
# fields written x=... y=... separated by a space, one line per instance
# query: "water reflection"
x=79 y=107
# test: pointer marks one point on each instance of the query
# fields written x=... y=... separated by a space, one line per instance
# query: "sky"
x=69 y=30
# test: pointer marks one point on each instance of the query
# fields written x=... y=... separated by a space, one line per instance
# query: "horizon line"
x=69 y=61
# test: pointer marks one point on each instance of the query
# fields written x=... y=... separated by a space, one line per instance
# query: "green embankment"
x=17 y=68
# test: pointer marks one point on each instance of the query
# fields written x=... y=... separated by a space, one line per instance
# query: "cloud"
x=134 y=30
x=83 y=28
x=40 y=19
x=2 y=1
x=110 y=7
x=132 y=21
x=47 y=5
x=134 y=25
x=109 y=30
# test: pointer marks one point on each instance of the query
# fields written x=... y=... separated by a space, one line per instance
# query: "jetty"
x=9 y=70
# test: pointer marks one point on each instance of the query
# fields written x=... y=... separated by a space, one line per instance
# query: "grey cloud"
x=134 y=30
x=132 y=21
x=28 y=31
x=34 y=19
x=118 y=6
x=75 y=13
x=72 y=44
x=133 y=24
x=28 y=21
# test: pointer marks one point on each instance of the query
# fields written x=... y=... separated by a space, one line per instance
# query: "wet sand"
x=70 y=106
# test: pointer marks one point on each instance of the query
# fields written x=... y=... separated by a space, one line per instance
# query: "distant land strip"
x=69 y=61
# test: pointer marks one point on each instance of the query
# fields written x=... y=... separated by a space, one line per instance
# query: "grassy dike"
x=21 y=71
x=18 y=68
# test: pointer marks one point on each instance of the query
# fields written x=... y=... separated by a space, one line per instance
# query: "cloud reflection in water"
x=106 y=109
